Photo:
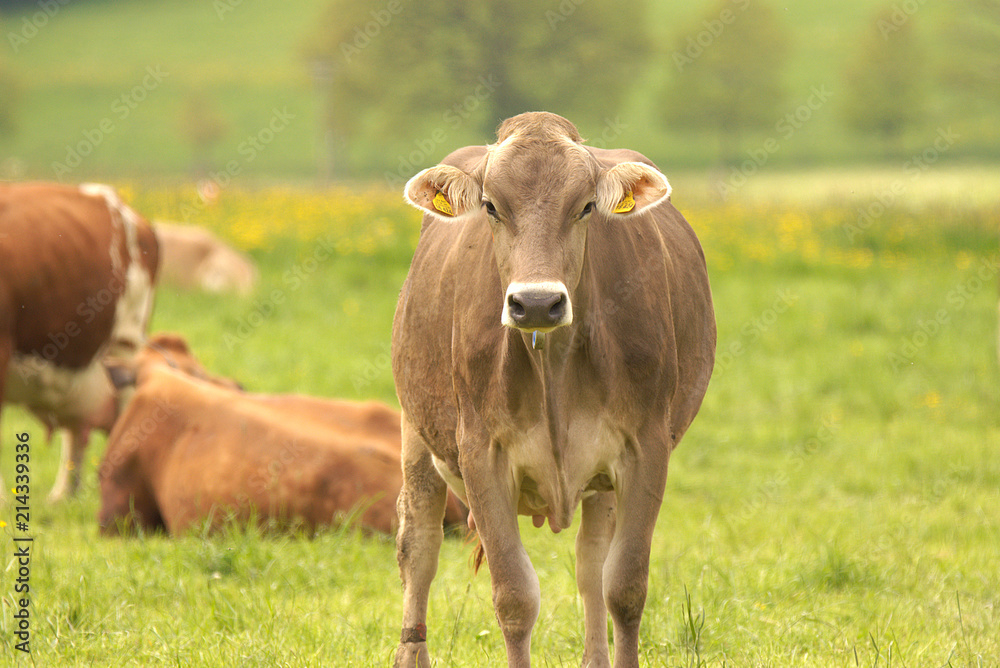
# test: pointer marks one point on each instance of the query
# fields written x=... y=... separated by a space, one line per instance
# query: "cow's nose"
x=531 y=307
x=536 y=311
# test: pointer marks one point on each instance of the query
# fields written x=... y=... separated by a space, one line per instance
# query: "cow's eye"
x=587 y=210
x=491 y=210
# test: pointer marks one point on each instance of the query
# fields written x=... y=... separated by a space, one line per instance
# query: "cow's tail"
x=478 y=556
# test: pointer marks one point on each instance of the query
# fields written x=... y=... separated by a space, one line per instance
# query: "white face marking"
x=537 y=289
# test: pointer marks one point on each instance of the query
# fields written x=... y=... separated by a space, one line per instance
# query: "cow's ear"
x=445 y=192
x=629 y=188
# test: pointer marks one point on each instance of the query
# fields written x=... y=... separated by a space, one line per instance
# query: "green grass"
x=829 y=507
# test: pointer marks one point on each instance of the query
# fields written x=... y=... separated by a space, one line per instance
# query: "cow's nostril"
x=558 y=309
x=516 y=307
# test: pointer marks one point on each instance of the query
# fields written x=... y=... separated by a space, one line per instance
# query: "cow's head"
x=161 y=350
x=538 y=188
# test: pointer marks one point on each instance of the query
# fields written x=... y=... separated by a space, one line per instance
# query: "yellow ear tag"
x=627 y=203
x=442 y=205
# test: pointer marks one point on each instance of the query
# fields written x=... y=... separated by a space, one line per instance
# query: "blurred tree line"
x=447 y=70
x=402 y=69
x=401 y=83
x=10 y=93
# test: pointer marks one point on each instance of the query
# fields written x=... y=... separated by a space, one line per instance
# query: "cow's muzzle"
x=537 y=306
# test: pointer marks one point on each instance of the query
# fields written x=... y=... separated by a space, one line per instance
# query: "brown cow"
x=195 y=258
x=185 y=452
x=164 y=348
x=552 y=343
x=77 y=268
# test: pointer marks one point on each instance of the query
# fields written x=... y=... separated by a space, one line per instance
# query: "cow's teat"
x=537 y=306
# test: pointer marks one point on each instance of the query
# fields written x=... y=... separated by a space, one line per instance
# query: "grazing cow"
x=195 y=258
x=186 y=451
x=552 y=343
x=77 y=269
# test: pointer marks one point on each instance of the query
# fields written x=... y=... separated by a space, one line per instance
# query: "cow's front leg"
x=626 y=571
x=420 y=508
x=592 y=541
x=516 y=594
x=74 y=444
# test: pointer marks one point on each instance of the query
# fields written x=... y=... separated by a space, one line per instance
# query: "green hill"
x=104 y=88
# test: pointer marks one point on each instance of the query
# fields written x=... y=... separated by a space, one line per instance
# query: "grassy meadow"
x=834 y=504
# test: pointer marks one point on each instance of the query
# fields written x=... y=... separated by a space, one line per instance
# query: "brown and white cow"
x=77 y=269
x=552 y=343
x=186 y=451
x=193 y=257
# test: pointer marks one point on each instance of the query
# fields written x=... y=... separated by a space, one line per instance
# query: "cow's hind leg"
x=592 y=543
x=420 y=508
x=626 y=571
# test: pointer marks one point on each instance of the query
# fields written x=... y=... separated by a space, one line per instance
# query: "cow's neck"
x=559 y=362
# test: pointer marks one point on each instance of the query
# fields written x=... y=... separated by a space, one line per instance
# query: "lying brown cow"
x=185 y=452
x=195 y=258
x=161 y=348
x=77 y=268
